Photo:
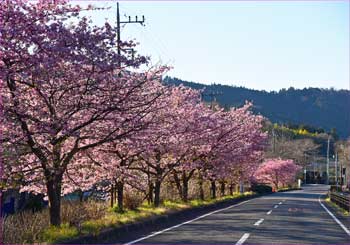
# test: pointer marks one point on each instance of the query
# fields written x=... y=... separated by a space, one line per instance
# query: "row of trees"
x=76 y=114
x=342 y=151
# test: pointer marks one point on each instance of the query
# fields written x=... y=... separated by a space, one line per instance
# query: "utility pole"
x=336 y=169
x=274 y=140
x=305 y=162
x=129 y=21
x=328 y=158
x=341 y=165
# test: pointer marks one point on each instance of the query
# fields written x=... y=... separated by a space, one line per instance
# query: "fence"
x=341 y=200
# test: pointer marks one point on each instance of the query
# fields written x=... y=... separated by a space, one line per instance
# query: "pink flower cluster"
x=277 y=172
x=76 y=113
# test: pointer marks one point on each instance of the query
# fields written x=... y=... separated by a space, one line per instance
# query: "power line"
x=128 y=21
x=155 y=41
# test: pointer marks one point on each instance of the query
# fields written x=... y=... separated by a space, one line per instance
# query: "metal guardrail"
x=341 y=200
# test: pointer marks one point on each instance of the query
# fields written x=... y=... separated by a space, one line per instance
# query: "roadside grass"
x=337 y=208
x=54 y=234
x=114 y=219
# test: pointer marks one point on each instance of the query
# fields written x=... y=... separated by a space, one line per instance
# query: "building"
x=316 y=173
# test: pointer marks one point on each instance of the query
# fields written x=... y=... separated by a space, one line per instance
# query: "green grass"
x=115 y=219
x=56 y=234
x=175 y=205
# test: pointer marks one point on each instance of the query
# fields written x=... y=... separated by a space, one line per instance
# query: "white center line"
x=269 y=212
x=243 y=239
x=259 y=222
x=276 y=206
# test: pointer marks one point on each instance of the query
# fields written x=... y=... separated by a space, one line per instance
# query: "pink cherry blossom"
x=276 y=172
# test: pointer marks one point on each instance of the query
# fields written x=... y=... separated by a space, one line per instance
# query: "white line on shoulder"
x=333 y=216
x=184 y=223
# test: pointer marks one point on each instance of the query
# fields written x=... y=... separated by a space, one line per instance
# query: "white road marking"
x=333 y=216
x=184 y=223
x=280 y=203
x=276 y=206
x=269 y=212
x=259 y=222
x=243 y=239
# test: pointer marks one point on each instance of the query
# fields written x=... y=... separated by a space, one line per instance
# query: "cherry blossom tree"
x=167 y=142
x=236 y=146
x=200 y=124
x=73 y=118
x=114 y=160
x=62 y=94
x=276 y=172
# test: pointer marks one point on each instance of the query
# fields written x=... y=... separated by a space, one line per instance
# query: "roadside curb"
x=293 y=189
x=156 y=222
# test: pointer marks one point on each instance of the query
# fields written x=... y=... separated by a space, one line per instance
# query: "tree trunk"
x=120 y=192
x=222 y=188
x=178 y=184
x=184 y=187
x=150 y=193
x=231 y=189
x=158 y=181
x=241 y=186
x=54 y=194
x=115 y=194
x=200 y=184
x=81 y=196
x=213 y=189
x=157 y=193
x=277 y=183
x=112 y=196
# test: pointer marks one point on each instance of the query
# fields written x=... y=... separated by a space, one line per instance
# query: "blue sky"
x=257 y=44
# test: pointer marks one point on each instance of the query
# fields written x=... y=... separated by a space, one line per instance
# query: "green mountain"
x=324 y=108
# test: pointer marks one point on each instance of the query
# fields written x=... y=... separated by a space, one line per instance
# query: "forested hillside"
x=325 y=108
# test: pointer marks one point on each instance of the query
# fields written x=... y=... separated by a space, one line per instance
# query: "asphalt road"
x=295 y=217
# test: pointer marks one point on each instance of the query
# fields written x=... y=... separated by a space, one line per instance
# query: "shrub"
x=335 y=188
x=132 y=201
x=24 y=227
x=261 y=188
x=75 y=213
x=34 y=203
x=31 y=227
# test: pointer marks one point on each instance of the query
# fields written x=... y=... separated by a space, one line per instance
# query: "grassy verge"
x=337 y=208
x=114 y=219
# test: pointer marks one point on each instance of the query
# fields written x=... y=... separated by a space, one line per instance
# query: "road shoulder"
x=135 y=230
x=337 y=211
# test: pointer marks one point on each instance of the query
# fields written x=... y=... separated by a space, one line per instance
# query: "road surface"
x=295 y=217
